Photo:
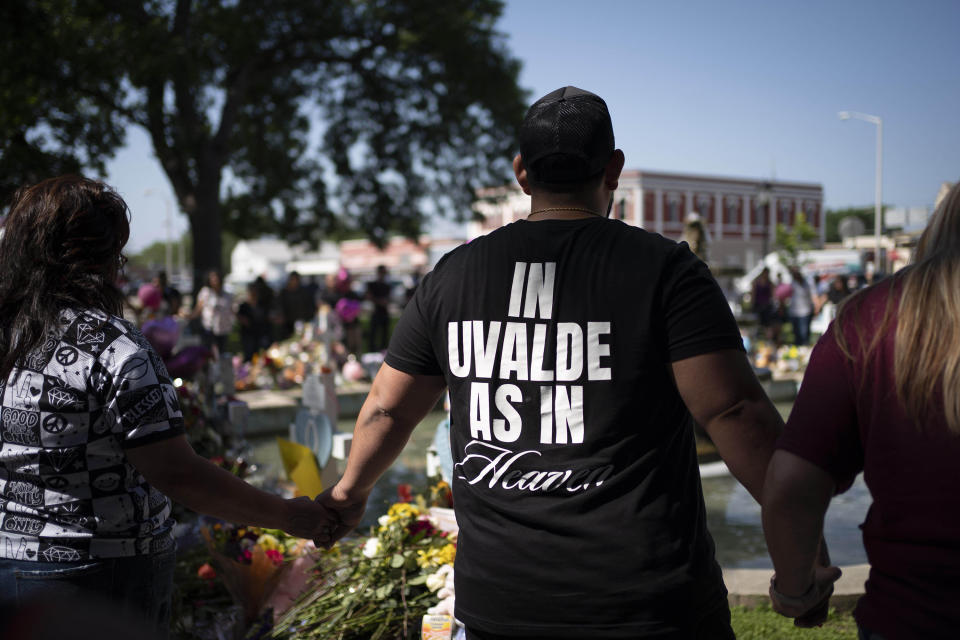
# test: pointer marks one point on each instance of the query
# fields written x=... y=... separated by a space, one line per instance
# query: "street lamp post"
x=763 y=198
x=878 y=187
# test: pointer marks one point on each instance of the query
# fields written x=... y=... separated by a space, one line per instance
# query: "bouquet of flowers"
x=381 y=586
x=251 y=561
x=284 y=364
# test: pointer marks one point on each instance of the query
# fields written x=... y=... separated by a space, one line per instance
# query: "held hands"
x=810 y=608
x=345 y=510
x=305 y=518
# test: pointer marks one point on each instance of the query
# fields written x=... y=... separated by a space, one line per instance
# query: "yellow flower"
x=403 y=510
x=268 y=542
x=425 y=558
x=437 y=557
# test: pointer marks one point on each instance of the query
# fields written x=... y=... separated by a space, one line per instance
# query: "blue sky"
x=738 y=88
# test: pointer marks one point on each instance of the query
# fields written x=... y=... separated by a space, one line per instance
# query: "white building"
x=274 y=259
x=265 y=257
x=741 y=214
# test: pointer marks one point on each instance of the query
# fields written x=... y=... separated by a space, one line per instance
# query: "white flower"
x=435 y=581
x=444 y=607
x=371 y=548
x=383 y=520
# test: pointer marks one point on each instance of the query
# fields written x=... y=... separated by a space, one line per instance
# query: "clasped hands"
x=810 y=608
x=326 y=519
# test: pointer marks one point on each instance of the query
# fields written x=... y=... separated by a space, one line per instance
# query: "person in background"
x=215 y=309
x=801 y=307
x=254 y=323
x=347 y=307
x=92 y=432
x=881 y=395
x=378 y=291
x=265 y=300
x=838 y=291
x=411 y=284
x=172 y=299
x=762 y=297
x=296 y=304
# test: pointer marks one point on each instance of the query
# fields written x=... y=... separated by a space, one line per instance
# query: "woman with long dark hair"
x=92 y=434
x=881 y=395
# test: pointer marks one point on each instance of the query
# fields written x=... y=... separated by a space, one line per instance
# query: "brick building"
x=741 y=214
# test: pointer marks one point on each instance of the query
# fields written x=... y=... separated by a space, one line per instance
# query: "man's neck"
x=542 y=208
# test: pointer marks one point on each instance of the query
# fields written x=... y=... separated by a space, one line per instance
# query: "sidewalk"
x=750 y=587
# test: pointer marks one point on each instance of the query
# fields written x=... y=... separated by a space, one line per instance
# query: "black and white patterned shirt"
x=67 y=491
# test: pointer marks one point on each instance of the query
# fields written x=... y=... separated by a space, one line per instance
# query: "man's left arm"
x=397 y=403
x=725 y=397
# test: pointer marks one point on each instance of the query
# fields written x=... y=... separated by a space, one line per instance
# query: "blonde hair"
x=927 y=342
x=927 y=351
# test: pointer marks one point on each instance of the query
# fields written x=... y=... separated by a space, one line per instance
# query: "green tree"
x=291 y=117
x=800 y=237
x=834 y=216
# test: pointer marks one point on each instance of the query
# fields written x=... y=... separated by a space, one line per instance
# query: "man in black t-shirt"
x=578 y=351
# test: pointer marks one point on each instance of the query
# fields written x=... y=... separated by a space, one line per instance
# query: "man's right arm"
x=397 y=403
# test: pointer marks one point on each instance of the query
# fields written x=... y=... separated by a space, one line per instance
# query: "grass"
x=763 y=623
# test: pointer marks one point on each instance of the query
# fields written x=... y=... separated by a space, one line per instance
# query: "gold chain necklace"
x=581 y=209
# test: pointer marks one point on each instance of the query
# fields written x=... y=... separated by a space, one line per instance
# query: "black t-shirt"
x=575 y=482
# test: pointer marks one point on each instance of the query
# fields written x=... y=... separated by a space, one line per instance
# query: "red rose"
x=206 y=572
x=424 y=525
x=403 y=492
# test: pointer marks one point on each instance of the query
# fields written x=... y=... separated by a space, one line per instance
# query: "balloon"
x=150 y=296
x=163 y=334
x=353 y=371
x=348 y=309
x=188 y=361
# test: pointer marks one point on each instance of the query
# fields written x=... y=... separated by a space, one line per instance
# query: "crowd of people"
x=796 y=299
x=263 y=316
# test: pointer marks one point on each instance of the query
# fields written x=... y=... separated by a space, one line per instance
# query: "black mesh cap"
x=566 y=136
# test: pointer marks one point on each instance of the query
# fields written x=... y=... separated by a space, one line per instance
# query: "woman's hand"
x=810 y=608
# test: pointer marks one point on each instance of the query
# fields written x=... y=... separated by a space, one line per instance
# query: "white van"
x=814 y=262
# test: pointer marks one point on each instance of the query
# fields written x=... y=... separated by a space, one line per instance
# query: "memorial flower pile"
x=283 y=365
x=382 y=585
x=251 y=561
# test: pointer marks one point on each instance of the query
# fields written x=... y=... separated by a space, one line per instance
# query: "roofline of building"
x=642 y=173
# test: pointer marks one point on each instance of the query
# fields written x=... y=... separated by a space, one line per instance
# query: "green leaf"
x=421 y=579
x=397 y=561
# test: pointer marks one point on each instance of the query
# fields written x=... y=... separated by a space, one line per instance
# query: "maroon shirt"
x=847 y=419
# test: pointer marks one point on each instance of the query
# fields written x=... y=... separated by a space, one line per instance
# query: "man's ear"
x=521 y=173
x=611 y=173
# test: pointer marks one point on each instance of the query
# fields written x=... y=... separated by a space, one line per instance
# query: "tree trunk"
x=206 y=227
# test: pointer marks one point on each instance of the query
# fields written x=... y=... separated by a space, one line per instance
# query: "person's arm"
x=796 y=495
x=396 y=404
x=198 y=305
x=174 y=469
x=725 y=397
